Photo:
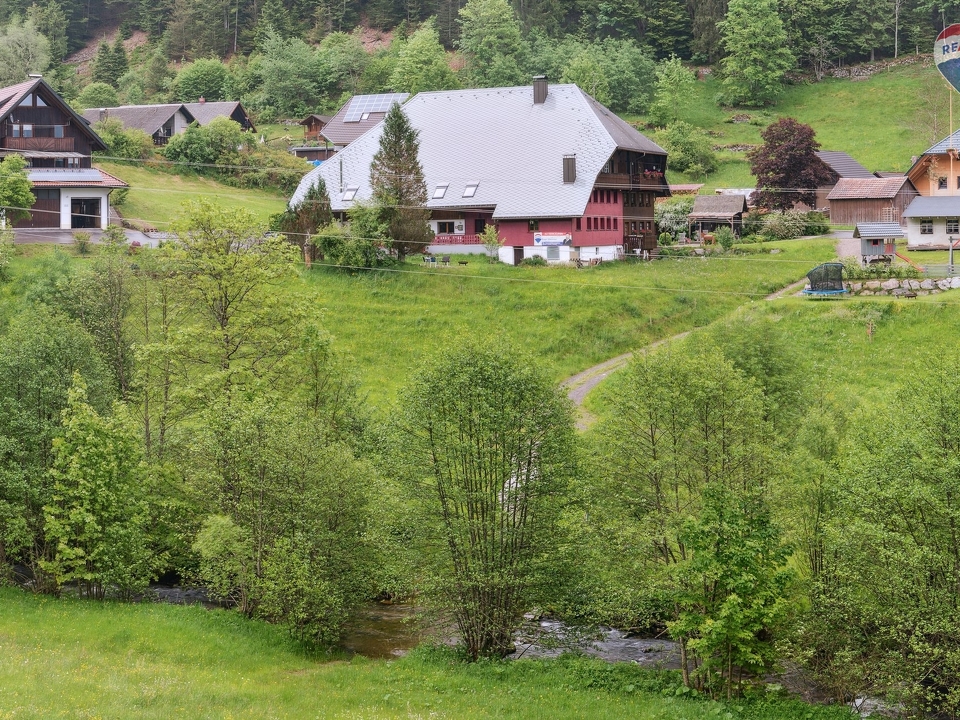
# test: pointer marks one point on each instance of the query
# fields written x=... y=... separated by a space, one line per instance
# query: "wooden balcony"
x=457 y=240
x=646 y=240
x=645 y=181
x=44 y=144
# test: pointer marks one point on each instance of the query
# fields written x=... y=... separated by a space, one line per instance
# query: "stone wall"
x=903 y=287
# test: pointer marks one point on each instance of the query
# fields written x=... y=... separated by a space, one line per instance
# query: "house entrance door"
x=85 y=212
x=517 y=255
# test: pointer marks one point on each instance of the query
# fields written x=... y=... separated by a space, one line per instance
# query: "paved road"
x=26 y=236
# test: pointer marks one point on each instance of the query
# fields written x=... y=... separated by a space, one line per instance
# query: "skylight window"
x=365 y=116
x=470 y=190
x=350 y=193
x=440 y=192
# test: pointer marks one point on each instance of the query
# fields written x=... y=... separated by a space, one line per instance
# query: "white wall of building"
x=938 y=238
x=68 y=194
x=602 y=252
x=554 y=254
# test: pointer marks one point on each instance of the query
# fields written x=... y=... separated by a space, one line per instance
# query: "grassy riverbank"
x=72 y=659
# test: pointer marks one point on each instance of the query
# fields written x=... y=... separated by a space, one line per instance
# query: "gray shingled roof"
x=879 y=231
x=342 y=133
x=926 y=206
x=717 y=206
x=204 y=112
x=149 y=118
x=948 y=143
x=499 y=139
x=843 y=165
x=872 y=188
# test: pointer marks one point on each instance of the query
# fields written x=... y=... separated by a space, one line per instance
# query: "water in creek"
x=384 y=631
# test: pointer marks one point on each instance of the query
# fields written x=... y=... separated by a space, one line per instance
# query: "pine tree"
x=399 y=188
x=119 y=53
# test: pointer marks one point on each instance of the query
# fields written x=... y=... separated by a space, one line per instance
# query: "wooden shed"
x=870 y=200
x=714 y=211
x=878 y=240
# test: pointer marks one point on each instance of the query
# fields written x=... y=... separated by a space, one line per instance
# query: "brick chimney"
x=202 y=100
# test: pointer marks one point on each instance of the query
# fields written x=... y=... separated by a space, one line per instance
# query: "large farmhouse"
x=38 y=124
x=933 y=219
x=557 y=173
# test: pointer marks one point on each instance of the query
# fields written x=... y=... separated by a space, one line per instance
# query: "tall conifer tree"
x=399 y=188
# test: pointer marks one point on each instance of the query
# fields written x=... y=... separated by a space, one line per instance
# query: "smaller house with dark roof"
x=842 y=167
x=361 y=113
x=313 y=126
x=161 y=122
x=711 y=212
x=204 y=112
x=870 y=200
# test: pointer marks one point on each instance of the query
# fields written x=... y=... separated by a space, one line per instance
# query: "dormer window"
x=440 y=191
x=470 y=190
x=350 y=193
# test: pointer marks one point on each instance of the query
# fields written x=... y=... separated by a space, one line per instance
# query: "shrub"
x=98 y=95
x=783 y=225
x=81 y=242
x=7 y=250
x=534 y=261
x=817 y=224
x=665 y=239
x=752 y=223
x=691 y=150
x=133 y=144
x=724 y=237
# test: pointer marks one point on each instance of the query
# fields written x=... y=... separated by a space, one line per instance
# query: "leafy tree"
x=489 y=446
x=671 y=216
x=23 y=50
x=15 y=190
x=491 y=241
x=690 y=148
x=134 y=143
x=628 y=70
x=758 y=55
x=98 y=95
x=290 y=75
x=39 y=355
x=50 y=20
x=215 y=143
x=312 y=213
x=491 y=42
x=203 y=78
x=422 y=64
x=687 y=455
x=672 y=92
x=399 y=188
x=358 y=244
x=585 y=72
x=786 y=166
x=341 y=60
x=94 y=521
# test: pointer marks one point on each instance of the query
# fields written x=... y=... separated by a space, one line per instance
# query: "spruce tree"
x=120 y=65
x=399 y=188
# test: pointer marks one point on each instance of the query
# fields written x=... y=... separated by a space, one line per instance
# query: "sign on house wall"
x=551 y=239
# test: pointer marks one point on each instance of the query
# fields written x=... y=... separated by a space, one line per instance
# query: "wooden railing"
x=44 y=144
x=457 y=240
x=645 y=180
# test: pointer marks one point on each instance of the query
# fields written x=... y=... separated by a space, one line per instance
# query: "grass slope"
x=156 y=197
x=569 y=319
x=72 y=659
x=876 y=120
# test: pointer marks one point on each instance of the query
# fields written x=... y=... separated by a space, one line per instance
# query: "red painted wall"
x=516 y=232
x=604 y=208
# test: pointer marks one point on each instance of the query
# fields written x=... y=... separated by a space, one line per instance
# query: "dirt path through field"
x=579 y=386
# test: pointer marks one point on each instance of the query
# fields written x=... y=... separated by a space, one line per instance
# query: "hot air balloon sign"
x=946 y=54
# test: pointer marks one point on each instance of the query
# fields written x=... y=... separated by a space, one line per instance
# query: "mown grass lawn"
x=569 y=319
x=73 y=659
x=157 y=197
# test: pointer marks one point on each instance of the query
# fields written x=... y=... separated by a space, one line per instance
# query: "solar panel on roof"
x=40 y=175
x=365 y=104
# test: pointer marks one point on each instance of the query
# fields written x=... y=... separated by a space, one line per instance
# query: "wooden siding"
x=45 y=213
x=851 y=212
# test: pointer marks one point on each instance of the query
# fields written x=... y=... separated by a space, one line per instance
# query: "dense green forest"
x=287 y=57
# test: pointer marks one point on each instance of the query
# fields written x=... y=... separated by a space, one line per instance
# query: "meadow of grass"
x=390 y=320
x=875 y=120
x=157 y=196
x=65 y=658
